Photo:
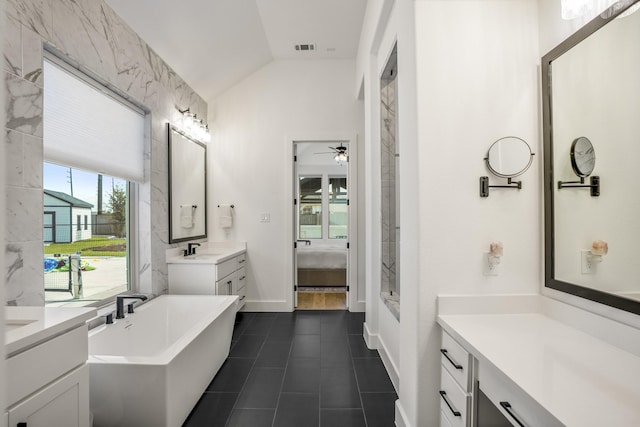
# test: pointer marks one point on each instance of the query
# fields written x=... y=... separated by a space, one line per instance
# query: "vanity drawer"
x=457 y=361
x=38 y=366
x=227 y=267
x=241 y=260
x=241 y=280
x=520 y=406
x=444 y=421
x=454 y=401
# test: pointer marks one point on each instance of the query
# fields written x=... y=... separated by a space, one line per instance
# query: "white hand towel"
x=186 y=215
x=226 y=218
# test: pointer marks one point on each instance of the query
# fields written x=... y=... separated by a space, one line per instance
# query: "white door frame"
x=290 y=230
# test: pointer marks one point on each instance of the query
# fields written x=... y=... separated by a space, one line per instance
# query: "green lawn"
x=96 y=246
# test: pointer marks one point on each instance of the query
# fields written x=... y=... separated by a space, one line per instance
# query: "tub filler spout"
x=120 y=303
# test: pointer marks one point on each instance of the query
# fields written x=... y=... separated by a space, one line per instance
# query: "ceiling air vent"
x=306 y=47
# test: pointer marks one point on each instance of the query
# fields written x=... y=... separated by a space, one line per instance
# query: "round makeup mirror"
x=509 y=157
x=583 y=157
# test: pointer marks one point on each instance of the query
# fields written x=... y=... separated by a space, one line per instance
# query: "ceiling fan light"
x=340 y=157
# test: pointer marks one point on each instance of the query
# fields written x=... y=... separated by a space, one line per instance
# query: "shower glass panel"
x=390 y=179
x=310 y=207
x=338 y=210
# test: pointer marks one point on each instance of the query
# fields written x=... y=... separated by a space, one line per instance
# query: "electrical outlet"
x=588 y=267
x=265 y=217
x=490 y=268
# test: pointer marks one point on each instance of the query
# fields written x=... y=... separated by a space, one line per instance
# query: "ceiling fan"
x=340 y=153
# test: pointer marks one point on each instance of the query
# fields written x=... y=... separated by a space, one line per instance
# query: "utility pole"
x=99 y=194
x=70 y=177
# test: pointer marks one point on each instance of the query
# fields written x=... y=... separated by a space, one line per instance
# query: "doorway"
x=321 y=225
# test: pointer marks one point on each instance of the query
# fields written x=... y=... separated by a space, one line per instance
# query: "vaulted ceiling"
x=213 y=44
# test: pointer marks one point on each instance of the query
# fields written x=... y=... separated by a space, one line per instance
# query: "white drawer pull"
x=507 y=407
x=453 y=362
x=451 y=408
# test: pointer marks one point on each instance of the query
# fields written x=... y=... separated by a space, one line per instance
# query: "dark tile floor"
x=307 y=368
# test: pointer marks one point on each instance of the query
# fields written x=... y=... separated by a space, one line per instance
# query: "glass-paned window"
x=91 y=263
x=338 y=209
x=93 y=147
x=310 y=207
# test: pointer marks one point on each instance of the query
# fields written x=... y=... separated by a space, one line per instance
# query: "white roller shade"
x=88 y=129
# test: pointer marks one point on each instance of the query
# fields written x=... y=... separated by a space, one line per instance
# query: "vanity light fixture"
x=194 y=127
x=572 y=9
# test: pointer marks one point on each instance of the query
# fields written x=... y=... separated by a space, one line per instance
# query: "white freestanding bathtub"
x=151 y=368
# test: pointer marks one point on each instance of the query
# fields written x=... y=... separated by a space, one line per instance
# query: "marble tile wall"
x=90 y=35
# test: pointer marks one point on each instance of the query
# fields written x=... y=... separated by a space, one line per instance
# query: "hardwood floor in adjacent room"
x=322 y=301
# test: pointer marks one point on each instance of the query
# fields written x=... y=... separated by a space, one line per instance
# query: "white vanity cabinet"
x=217 y=277
x=65 y=402
x=533 y=370
x=46 y=367
x=456 y=384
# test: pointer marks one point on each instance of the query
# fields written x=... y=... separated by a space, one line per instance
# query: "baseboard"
x=370 y=339
x=374 y=342
x=358 y=307
x=268 y=306
x=392 y=369
x=401 y=416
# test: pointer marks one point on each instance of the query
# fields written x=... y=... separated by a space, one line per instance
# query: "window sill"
x=392 y=302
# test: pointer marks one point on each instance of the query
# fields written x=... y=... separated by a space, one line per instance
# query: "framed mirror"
x=590 y=87
x=187 y=187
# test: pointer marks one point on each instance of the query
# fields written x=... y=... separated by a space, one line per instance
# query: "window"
x=318 y=194
x=310 y=207
x=94 y=158
x=92 y=263
x=338 y=207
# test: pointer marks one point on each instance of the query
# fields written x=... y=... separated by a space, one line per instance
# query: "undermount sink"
x=202 y=256
x=11 y=324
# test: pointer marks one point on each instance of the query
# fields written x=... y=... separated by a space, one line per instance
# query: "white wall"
x=250 y=160
x=470 y=73
x=477 y=64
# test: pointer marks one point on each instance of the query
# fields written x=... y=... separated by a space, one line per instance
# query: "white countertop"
x=28 y=326
x=579 y=379
x=206 y=253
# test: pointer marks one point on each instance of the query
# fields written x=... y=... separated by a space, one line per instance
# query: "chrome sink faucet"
x=120 y=305
x=191 y=249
